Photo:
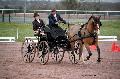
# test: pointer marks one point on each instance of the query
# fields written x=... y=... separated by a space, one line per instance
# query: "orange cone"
x=115 y=47
x=119 y=49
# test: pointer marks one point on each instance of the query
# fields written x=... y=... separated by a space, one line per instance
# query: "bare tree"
x=70 y=4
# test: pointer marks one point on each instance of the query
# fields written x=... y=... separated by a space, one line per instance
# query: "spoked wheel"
x=74 y=55
x=58 y=54
x=43 y=52
x=28 y=50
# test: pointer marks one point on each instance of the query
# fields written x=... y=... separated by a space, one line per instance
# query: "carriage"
x=60 y=44
x=44 y=47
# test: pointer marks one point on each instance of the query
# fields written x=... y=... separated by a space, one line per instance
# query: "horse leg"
x=98 y=50
x=80 y=50
x=89 y=52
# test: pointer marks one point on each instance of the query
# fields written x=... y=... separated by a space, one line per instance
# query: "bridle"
x=96 y=25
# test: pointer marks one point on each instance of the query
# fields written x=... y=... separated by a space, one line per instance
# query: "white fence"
x=12 y=34
x=107 y=38
x=7 y=39
x=68 y=15
x=101 y=38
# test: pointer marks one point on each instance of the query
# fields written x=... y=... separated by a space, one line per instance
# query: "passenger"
x=37 y=23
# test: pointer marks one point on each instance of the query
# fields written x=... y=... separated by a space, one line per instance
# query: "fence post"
x=108 y=15
x=9 y=18
x=2 y=16
x=104 y=16
x=17 y=33
x=25 y=10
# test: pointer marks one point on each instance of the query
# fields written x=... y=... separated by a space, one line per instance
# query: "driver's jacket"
x=36 y=24
x=53 y=20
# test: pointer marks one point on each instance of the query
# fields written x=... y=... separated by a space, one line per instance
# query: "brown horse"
x=86 y=35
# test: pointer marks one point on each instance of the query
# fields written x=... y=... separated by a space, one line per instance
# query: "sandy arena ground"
x=13 y=67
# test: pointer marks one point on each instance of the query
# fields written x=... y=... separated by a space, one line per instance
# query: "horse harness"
x=86 y=35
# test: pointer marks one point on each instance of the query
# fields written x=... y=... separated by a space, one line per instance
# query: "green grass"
x=111 y=28
x=10 y=29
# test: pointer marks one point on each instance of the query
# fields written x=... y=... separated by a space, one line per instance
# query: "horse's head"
x=96 y=23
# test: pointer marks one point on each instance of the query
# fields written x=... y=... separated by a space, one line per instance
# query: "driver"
x=54 y=19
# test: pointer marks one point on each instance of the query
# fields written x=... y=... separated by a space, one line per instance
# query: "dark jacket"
x=36 y=24
x=52 y=19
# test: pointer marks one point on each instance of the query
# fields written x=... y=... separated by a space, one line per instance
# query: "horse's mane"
x=89 y=20
x=91 y=17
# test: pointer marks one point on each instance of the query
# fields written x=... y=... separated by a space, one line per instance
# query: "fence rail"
x=70 y=15
x=101 y=38
x=7 y=39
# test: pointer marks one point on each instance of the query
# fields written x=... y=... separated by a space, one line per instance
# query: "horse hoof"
x=98 y=60
x=90 y=54
x=88 y=57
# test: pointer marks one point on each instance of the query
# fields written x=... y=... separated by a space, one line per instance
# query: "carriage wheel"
x=74 y=55
x=43 y=52
x=28 y=50
x=58 y=54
